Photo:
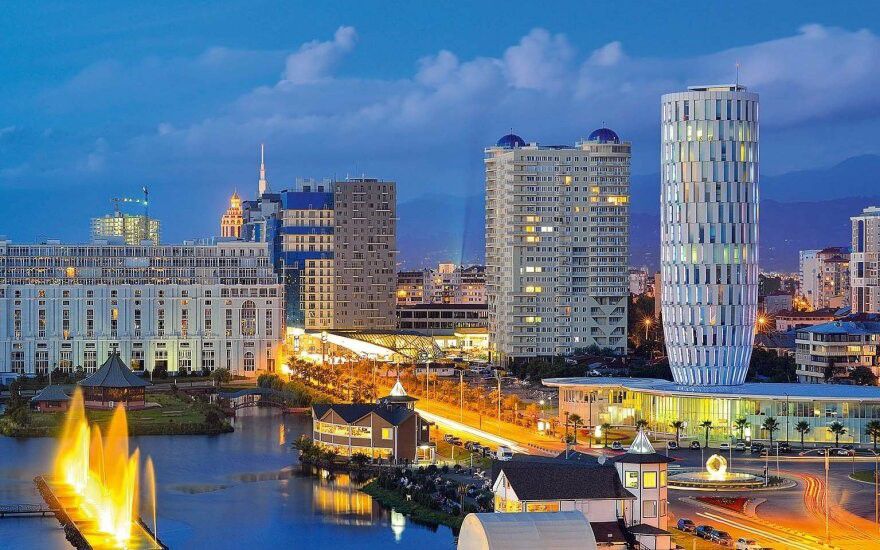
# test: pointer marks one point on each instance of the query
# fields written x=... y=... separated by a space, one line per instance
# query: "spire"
x=641 y=445
x=263 y=184
x=397 y=390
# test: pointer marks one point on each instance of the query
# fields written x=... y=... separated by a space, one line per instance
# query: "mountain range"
x=800 y=210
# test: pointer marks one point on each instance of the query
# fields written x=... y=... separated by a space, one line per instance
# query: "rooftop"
x=114 y=374
x=352 y=412
x=717 y=88
x=560 y=479
x=51 y=394
x=751 y=390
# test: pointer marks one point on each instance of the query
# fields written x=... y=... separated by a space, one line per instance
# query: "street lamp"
x=647 y=326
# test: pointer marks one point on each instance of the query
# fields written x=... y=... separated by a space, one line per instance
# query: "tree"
x=575 y=420
x=221 y=376
x=803 y=428
x=606 y=427
x=706 y=425
x=641 y=424
x=862 y=376
x=741 y=424
x=359 y=460
x=872 y=430
x=678 y=425
x=838 y=430
x=771 y=425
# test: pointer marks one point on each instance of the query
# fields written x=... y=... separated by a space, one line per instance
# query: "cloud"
x=426 y=129
x=314 y=60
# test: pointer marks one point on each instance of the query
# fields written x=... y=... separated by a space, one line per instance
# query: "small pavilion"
x=114 y=383
x=398 y=396
x=51 y=399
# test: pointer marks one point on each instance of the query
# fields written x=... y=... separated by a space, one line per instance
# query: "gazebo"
x=51 y=399
x=398 y=396
x=114 y=383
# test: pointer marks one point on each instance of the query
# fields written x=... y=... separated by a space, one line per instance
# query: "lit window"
x=386 y=433
x=649 y=480
x=632 y=480
x=663 y=478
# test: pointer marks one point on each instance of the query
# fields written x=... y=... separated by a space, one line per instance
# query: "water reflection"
x=338 y=499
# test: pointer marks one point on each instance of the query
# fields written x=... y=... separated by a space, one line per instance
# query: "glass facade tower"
x=709 y=232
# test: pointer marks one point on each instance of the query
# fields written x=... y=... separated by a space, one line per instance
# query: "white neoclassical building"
x=182 y=307
x=709 y=232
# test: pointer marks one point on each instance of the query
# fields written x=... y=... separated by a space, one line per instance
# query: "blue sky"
x=99 y=100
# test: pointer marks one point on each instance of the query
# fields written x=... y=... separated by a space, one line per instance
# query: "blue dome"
x=604 y=135
x=511 y=141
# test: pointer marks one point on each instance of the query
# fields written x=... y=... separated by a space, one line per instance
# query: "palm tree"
x=575 y=420
x=872 y=430
x=606 y=427
x=803 y=428
x=678 y=425
x=741 y=424
x=771 y=425
x=838 y=430
x=641 y=424
x=706 y=425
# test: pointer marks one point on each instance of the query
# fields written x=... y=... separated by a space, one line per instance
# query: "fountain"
x=95 y=486
x=716 y=476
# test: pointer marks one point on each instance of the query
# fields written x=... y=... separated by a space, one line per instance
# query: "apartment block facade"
x=557 y=245
x=825 y=277
x=865 y=261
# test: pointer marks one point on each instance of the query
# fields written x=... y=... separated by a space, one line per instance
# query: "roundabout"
x=716 y=477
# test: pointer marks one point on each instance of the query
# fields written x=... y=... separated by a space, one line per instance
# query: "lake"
x=238 y=490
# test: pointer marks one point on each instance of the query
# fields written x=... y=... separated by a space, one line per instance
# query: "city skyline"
x=55 y=135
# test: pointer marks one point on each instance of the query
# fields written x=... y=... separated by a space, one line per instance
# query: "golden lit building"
x=232 y=219
x=132 y=228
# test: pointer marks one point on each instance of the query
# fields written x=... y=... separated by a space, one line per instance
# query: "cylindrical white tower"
x=709 y=232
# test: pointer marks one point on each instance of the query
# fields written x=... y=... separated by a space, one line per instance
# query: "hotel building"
x=557 y=245
x=709 y=235
x=448 y=284
x=865 y=261
x=183 y=307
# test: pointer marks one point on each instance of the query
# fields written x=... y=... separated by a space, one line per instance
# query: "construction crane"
x=144 y=201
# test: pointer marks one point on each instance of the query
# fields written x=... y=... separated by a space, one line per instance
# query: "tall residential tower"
x=557 y=245
x=709 y=232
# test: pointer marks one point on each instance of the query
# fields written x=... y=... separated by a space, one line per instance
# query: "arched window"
x=248 y=318
x=248 y=361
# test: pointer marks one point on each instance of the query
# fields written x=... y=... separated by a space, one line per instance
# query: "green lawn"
x=175 y=416
x=864 y=475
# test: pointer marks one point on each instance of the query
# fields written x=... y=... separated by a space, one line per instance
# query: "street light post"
x=461 y=395
x=827 y=468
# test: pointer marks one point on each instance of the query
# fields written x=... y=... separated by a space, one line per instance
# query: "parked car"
x=455 y=441
x=686 y=525
x=747 y=544
x=617 y=446
x=784 y=447
x=721 y=537
x=844 y=452
x=704 y=531
x=489 y=453
x=740 y=446
x=504 y=453
x=672 y=445
x=469 y=444
x=724 y=447
x=448 y=438
x=757 y=447
x=695 y=444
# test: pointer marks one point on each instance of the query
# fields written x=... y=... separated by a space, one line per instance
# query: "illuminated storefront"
x=624 y=401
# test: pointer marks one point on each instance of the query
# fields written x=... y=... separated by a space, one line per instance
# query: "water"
x=239 y=490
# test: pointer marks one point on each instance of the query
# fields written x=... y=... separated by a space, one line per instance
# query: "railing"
x=13 y=510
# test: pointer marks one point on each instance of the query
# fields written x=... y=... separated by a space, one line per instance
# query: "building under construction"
x=133 y=228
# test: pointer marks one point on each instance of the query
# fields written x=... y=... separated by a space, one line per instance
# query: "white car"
x=504 y=453
x=747 y=544
x=724 y=447
x=740 y=446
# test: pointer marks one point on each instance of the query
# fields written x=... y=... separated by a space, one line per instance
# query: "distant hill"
x=799 y=210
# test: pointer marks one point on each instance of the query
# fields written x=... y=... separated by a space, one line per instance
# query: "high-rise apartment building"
x=184 y=307
x=334 y=245
x=709 y=232
x=825 y=277
x=132 y=229
x=865 y=261
x=557 y=245
x=232 y=219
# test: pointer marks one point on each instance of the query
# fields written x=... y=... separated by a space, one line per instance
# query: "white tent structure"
x=526 y=531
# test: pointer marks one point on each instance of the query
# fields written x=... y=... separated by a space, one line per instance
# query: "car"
x=617 y=446
x=724 y=447
x=504 y=453
x=844 y=452
x=686 y=525
x=695 y=445
x=704 y=531
x=448 y=438
x=489 y=453
x=784 y=447
x=672 y=445
x=747 y=544
x=740 y=446
x=455 y=441
x=756 y=447
x=469 y=445
x=721 y=537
